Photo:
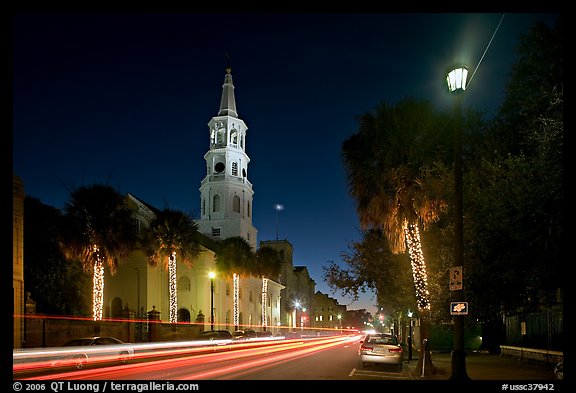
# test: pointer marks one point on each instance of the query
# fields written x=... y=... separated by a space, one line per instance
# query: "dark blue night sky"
x=125 y=98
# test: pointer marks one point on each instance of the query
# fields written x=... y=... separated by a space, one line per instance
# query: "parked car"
x=244 y=334
x=265 y=333
x=82 y=351
x=381 y=348
x=214 y=335
x=292 y=335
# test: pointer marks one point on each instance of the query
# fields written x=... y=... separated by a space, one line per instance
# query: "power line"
x=486 y=50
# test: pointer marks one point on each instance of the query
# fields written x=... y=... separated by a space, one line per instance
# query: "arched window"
x=184 y=285
x=216 y=203
x=234 y=137
x=183 y=315
x=236 y=204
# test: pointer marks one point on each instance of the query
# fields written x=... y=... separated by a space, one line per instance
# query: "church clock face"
x=219 y=167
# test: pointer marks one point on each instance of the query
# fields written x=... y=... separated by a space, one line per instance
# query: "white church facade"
x=244 y=302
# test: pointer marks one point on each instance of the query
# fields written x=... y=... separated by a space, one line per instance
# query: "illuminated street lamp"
x=296 y=306
x=456 y=80
x=410 y=314
x=211 y=275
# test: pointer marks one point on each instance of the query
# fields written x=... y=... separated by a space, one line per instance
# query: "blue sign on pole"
x=459 y=308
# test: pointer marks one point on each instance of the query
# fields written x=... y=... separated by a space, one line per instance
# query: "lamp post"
x=277 y=207
x=410 y=314
x=456 y=79
x=211 y=275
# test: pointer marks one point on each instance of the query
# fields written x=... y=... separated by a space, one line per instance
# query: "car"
x=96 y=349
x=214 y=335
x=244 y=334
x=264 y=334
x=380 y=348
x=292 y=335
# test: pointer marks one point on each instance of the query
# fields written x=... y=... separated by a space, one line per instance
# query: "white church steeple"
x=225 y=193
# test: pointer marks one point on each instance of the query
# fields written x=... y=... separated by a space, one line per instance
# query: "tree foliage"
x=235 y=255
x=171 y=231
x=55 y=284
x=97 y=215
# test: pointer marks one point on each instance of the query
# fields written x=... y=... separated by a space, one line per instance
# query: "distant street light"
x=296 y=306
x=456 y=79
x=277 y=207
x=211 y=275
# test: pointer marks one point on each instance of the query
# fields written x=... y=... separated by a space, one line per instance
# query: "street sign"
x=456 y=278
x=459 y=308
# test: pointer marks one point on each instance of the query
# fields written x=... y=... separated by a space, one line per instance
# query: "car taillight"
x=363 y=348
x=395 y=350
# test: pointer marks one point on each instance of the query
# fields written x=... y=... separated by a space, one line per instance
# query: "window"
x=136 y=226
x=216 y=203
x=249 y=208
x=184 y=284
x=234 y=169
x=203 y=206
x=236 y=204
x=215 y=232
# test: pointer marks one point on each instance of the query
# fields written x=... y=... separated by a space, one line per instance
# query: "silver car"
x=382 y=348
x=81 y=351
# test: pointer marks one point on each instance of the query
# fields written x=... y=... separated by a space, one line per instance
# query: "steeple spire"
x=228 y=102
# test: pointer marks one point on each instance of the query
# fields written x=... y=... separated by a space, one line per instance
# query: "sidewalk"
x=482 y=366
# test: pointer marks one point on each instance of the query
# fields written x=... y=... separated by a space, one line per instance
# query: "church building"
x=237 y=302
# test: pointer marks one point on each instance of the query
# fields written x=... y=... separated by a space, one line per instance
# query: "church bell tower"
x=225 y=193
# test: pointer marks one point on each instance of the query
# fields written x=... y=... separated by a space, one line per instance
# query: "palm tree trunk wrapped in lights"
x=172 y=282
x=236 y=300
x=98 y=288
x=264 y=303
x=418 y=263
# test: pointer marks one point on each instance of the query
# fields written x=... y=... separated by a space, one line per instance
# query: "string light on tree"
x=172 y=283
x=418 y=265
x=264 y=302
x=236 y=282
x=97 y=285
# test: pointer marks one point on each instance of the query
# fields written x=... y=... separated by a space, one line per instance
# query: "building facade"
x=18 y=259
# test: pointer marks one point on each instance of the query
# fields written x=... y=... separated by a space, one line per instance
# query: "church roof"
x=228 y=101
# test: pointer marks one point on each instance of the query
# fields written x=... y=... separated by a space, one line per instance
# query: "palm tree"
x=171 y=233
x=235 y=256
x=390 y=166
x=268 y=264
x=97 y=230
